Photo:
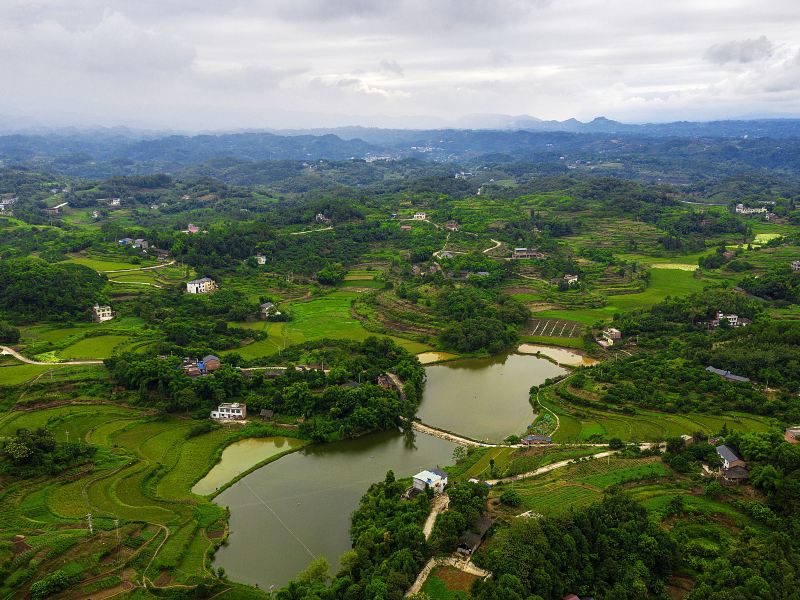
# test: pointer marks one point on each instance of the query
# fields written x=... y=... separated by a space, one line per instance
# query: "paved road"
x=18 y=356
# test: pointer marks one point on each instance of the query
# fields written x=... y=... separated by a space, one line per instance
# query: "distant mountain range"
x=774 y=128
x=759 y=144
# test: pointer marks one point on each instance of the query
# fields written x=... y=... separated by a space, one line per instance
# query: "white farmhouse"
x=101 y=313
x=436 y=479
x=230 y=410
x=205 y=285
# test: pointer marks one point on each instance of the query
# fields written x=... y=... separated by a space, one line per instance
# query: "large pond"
x=241 y=456
x=298 y=507
x=484 y=398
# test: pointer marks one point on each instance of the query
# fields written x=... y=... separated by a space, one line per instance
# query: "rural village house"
x=205 y=285
x=526 y=253
x=101 y=313
x=436 y=479
x=230 y=410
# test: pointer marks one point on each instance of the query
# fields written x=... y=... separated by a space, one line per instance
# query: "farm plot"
x=559 y=328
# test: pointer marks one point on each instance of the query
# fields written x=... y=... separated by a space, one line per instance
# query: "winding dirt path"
x=440 y=504
x=311 y=231
x=18 y=356
x=495 y=247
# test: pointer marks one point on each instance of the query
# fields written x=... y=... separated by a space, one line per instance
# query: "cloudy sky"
x=223 y=64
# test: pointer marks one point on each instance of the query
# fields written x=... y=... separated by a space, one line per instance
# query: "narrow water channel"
x=298 y=507
x=484 y=398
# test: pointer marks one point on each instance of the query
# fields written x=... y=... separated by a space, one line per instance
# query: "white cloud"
x=201 y=64
x=744 y=51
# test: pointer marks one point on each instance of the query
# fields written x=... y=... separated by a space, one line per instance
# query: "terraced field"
x=141 y=480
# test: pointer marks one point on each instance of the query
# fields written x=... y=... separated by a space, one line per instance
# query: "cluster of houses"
x=138 y=243
x=54 y=211
x=321 y=218
x=734 y=469
x=204 y=285
x=519 y=253
x=741 y=209
x=194 y=367
x=733 y=320
x=610 y=336
x=537 y=440
x=101 y=313
x=7 y=203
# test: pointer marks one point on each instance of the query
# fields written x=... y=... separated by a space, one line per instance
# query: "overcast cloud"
x=211 y=64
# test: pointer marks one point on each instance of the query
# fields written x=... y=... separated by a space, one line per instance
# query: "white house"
x=796 y=265
x=230 y=410
x=101 y=313
x=262 y=260
x=116 y=201
x=420 y=216
x=612 y=335
x=570 y=279
x=436 y=479
x=205 y=285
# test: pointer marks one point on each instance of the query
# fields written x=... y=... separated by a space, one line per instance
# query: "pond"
x=240 y=456
x=427 y=358
x=297 y=508
x=484 y=398
x=562 y=356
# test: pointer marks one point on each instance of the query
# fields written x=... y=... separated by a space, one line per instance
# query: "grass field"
x=14 y=372
x=144 y=469
x=325 y=317
x=107 y=264
x=98 y=347
x=448 y=583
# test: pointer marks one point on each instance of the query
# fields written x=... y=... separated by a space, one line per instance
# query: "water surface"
x=563 y=356
x=484 y=398
x=298 y=507
x=240 y=456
